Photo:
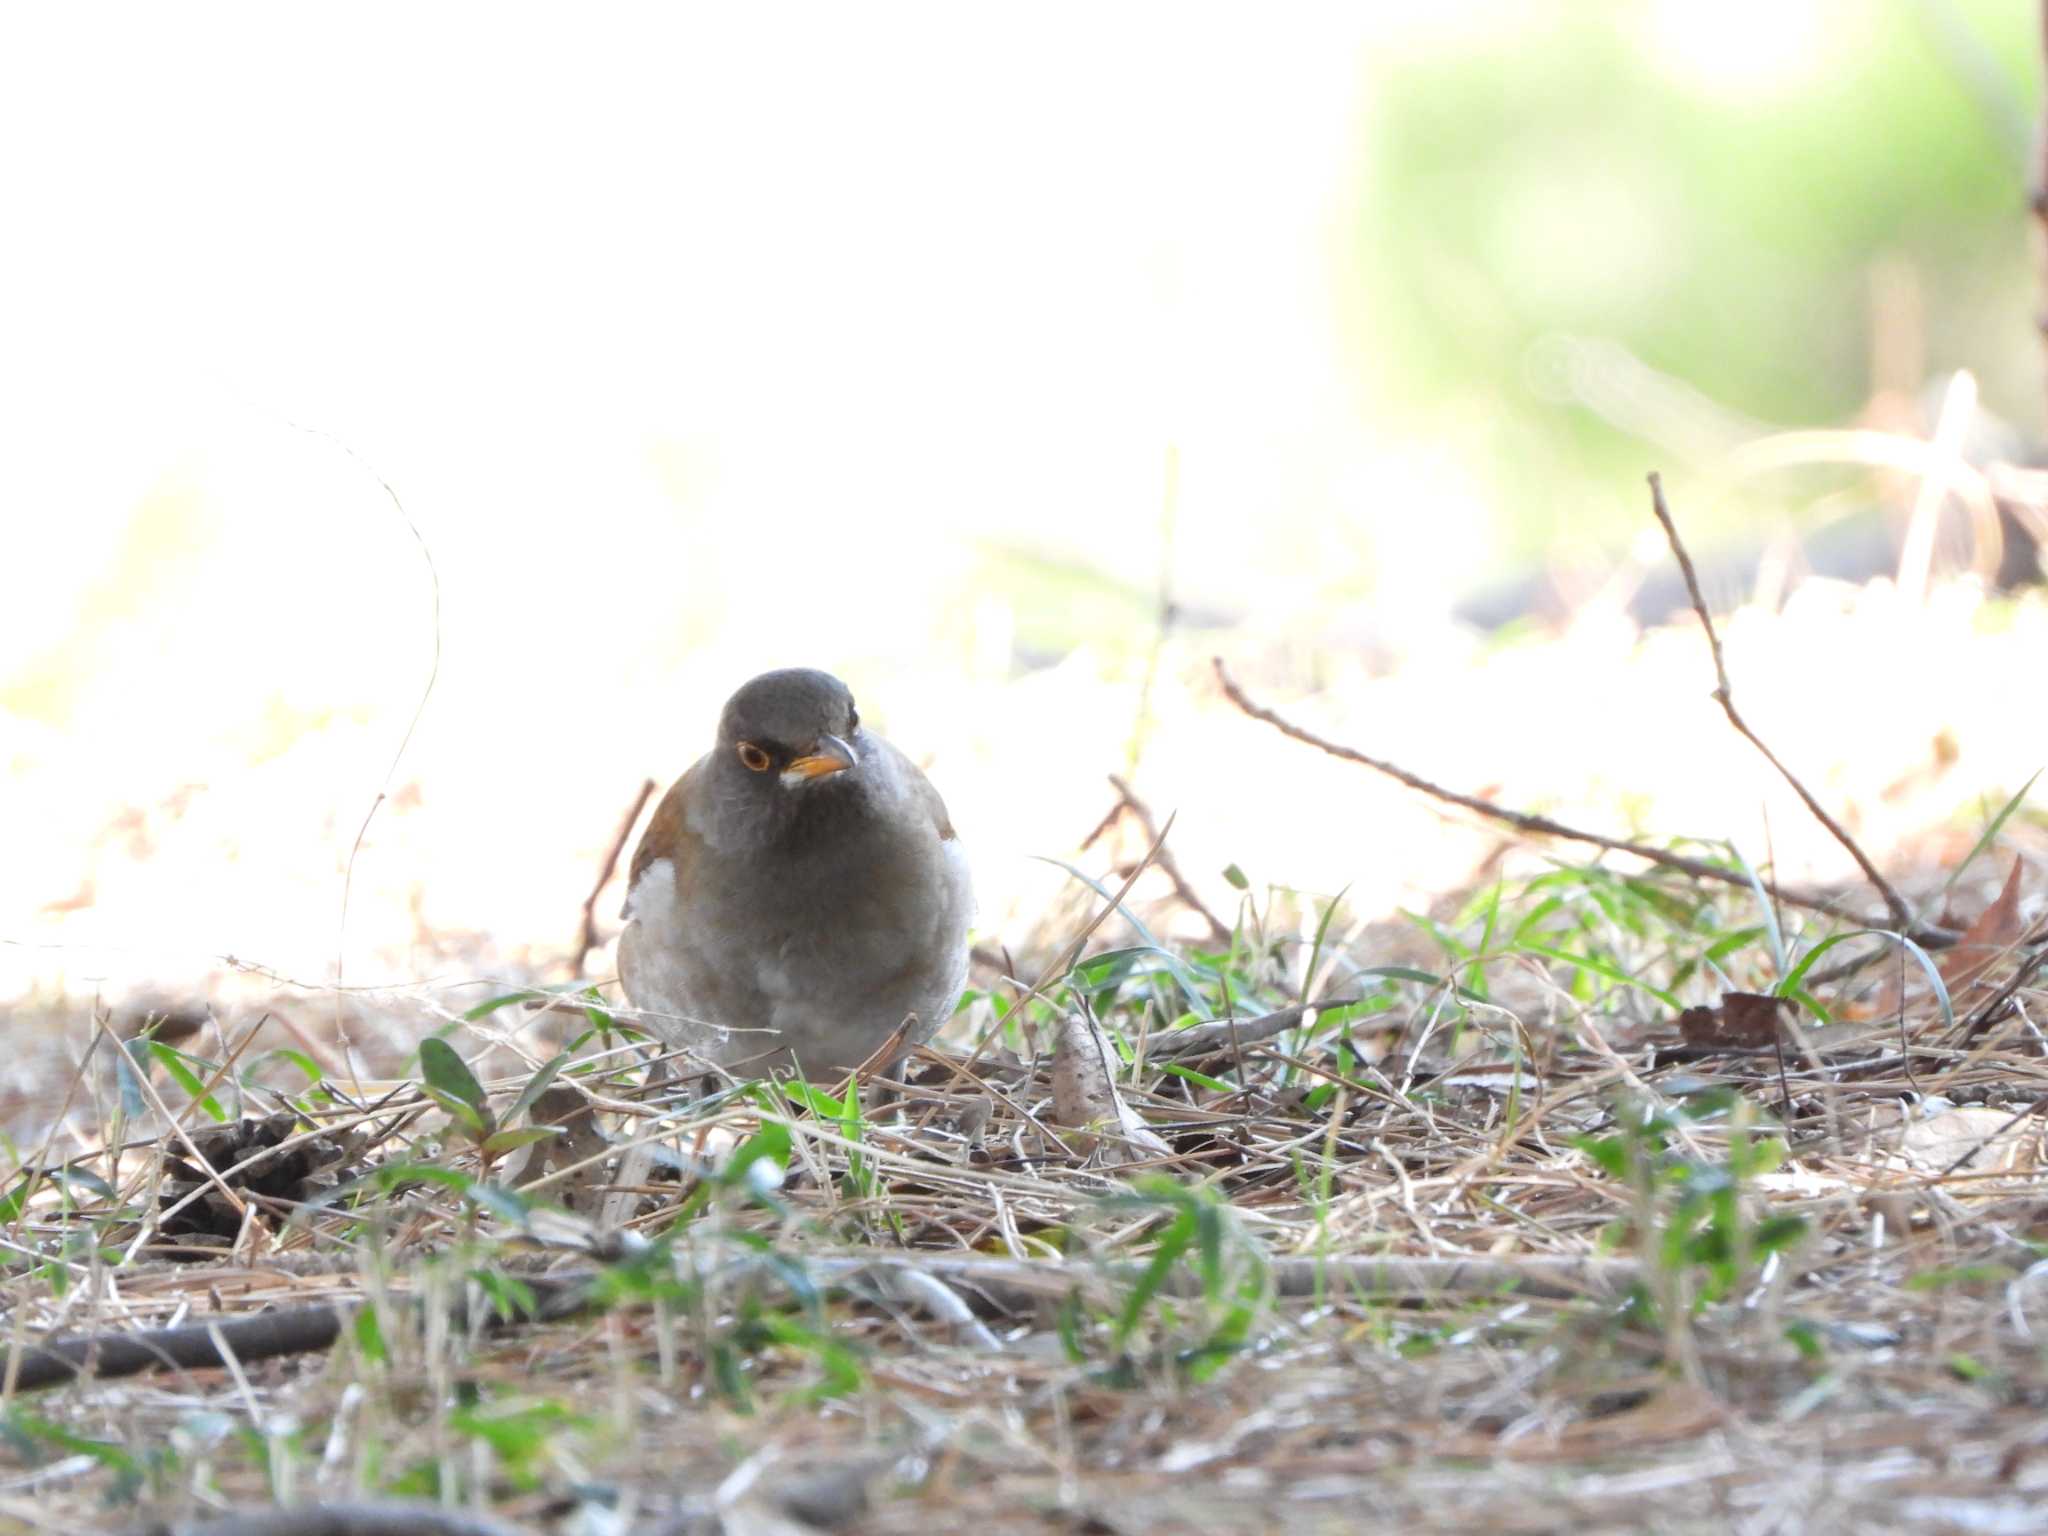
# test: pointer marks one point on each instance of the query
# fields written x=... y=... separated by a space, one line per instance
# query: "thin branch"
x=587 y=938
x=1167 y=864
x=1232 y=1035
x=1999 y=1007
x=405 y=1518
x=348 y=874
x=2038 y=193
x=1901 y=914
x=1543 y=826
x=999 y=1284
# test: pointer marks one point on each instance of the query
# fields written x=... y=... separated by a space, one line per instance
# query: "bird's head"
x=784 y=739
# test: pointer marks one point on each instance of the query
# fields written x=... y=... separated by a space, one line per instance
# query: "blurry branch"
x=991 y=1286
x=1978 y=73
x=1230 y=1036
x=1951 y=427
x=348 y=875
x=404 y=1517
x=1937 y=464
x=587 y=939
x=1544 y=826
x=2003 y=1004
x=1901 y=915
x=1072 y=952
x=1128 y=801
x=1600 y=375
x=2038 y=193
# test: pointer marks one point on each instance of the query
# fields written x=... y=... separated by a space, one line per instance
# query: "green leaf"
x=538 y=1085
x=455 y=1088
x=1391 y=973
x=501 y=1202
x=1173 y=1243
x=1235 y=877
x=1606 y=968
x=824 y=1105
x=485 y=1009
x=1174 y=964
x=445 y=1070
x=1067 y=1320
x=1728 y=943
x=66 y=1178
x=1991 y=832
x=1765 y=905
x=769 y=1149
x=173 y=1061
x=128 y=1470
x=728 y=1370
x=285 y=1054
x=1789 y=987
x=1610 y=1152
x=1959 y=1274
x=1200 y=1079
x=1315 y=952
x=369 y=1335
x=510 y=1296
x=1804 y=1338
x=840 y=1367
x=498 y=1143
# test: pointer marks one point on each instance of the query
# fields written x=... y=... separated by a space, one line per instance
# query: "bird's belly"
x=824 y=979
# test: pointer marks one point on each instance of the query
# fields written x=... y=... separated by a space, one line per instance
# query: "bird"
x=799 y=899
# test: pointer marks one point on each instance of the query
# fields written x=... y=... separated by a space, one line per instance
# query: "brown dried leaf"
x=1744 y=1020
x=1995 y=931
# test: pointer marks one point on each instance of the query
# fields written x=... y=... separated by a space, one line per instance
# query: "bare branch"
x=587 y=938
x=1901 y=914
x=1167 y=864
x=1544 y=826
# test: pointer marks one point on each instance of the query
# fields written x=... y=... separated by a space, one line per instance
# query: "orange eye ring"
x=757 y=760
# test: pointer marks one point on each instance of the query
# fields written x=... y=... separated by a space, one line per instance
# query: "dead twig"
x=1543 y=826
x=2038 y=192
x=1017 y=1284
x=1999 y=1006
x=1231 y=1035
x=587 y=938
x=1901 y=914
x=1167 y=865
x=271 y=1335
x=406 y=1518
x=1001 y=1285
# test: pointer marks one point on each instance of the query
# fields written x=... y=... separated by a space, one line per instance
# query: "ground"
x=1541 y=1219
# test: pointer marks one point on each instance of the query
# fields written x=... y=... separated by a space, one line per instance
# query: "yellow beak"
x=830 y=755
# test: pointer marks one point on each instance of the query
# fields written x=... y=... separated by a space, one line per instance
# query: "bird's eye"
x=754 y=757
x=852 y=719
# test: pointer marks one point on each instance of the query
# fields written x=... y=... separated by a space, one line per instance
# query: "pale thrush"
x=799 y=896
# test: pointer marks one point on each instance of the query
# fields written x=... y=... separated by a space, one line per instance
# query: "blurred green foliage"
x=1573 y=172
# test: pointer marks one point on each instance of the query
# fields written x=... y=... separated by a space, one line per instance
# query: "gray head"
x=788 y=746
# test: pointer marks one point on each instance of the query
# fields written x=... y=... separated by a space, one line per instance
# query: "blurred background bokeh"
x=1010 y=363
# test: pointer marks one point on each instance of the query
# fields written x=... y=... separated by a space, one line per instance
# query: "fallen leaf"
x=1993 y=934
x=1974 y=1137
x=1995 y=931
x=1745 y=1020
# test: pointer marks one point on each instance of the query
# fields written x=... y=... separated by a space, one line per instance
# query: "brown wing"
x=668 y=835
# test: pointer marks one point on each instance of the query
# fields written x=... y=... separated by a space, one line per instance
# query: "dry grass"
x=1495 y=1244
x=1402 y=1286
